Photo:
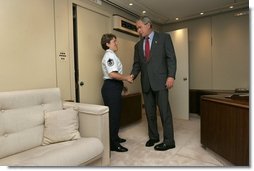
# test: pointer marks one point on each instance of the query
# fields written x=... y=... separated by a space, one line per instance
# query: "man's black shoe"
x=163 y=147
x=118 y=148
x=151 y=142
x=121 y=140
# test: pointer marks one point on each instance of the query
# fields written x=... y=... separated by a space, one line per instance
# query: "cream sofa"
x=22 y=125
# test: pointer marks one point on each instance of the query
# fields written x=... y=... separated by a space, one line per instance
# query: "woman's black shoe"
x=118 y=148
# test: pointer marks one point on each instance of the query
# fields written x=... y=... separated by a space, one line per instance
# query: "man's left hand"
x=170 y=82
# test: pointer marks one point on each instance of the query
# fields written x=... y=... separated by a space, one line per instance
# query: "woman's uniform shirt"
x=111 y=63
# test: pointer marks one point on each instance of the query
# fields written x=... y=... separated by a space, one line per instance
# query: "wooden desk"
x=131 y=109
x=225 y=127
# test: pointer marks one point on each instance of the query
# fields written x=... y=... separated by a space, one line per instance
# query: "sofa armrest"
x=93 y=122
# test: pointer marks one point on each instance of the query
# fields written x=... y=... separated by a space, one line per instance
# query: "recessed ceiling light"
x=143 y=12
x=130 y=4
x=177 y=18
x=201 y=13
x=231 y=7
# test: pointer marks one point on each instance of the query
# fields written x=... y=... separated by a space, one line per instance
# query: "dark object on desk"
x=240 y=96
x=131 y=109
x=225 y=127
x=241 y=90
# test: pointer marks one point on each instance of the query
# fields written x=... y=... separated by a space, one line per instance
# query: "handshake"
x=129 y=78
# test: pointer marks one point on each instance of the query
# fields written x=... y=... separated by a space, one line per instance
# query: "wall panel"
x=219 y=51
x=230 y=52
x=27 y=44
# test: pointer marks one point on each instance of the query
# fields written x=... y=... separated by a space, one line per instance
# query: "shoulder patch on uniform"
x=110 y=62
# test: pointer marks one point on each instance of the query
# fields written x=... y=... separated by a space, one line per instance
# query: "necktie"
x=147 y=48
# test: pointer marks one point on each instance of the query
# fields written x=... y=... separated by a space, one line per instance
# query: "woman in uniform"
x=112 y=88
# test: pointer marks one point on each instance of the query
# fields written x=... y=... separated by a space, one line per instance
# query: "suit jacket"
x=160 y=66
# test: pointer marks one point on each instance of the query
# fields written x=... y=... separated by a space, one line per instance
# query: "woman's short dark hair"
x=106 y=38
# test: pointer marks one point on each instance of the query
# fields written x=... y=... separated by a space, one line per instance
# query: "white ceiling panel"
x=166 y=11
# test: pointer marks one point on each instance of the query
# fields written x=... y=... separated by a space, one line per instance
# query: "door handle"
x=185 y=79
x=81 y=83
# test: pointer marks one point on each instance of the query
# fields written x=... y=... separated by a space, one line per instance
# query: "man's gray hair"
x=145 y=20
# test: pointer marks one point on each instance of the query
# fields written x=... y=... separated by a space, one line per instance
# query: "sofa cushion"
x=61 y=125
x=69 y=153
x=21 y=118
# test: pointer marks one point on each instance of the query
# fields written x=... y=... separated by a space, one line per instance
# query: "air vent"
x=124 y=25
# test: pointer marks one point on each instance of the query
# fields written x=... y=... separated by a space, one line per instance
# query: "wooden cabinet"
x=196 y=94
x=225 y=128
x=194 y=101
x=131 y=109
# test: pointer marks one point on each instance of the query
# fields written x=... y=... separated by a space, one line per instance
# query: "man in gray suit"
x=155 y=58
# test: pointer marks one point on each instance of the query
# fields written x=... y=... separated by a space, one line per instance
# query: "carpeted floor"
x=188 y=151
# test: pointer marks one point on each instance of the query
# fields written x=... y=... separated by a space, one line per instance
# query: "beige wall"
x=230 y=51
x=218 y=51
x=63 y=54
x=27 y=44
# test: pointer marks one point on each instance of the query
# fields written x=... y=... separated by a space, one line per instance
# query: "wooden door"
x=179 y=94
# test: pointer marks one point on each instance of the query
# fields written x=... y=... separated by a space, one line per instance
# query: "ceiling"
x=166 y=11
